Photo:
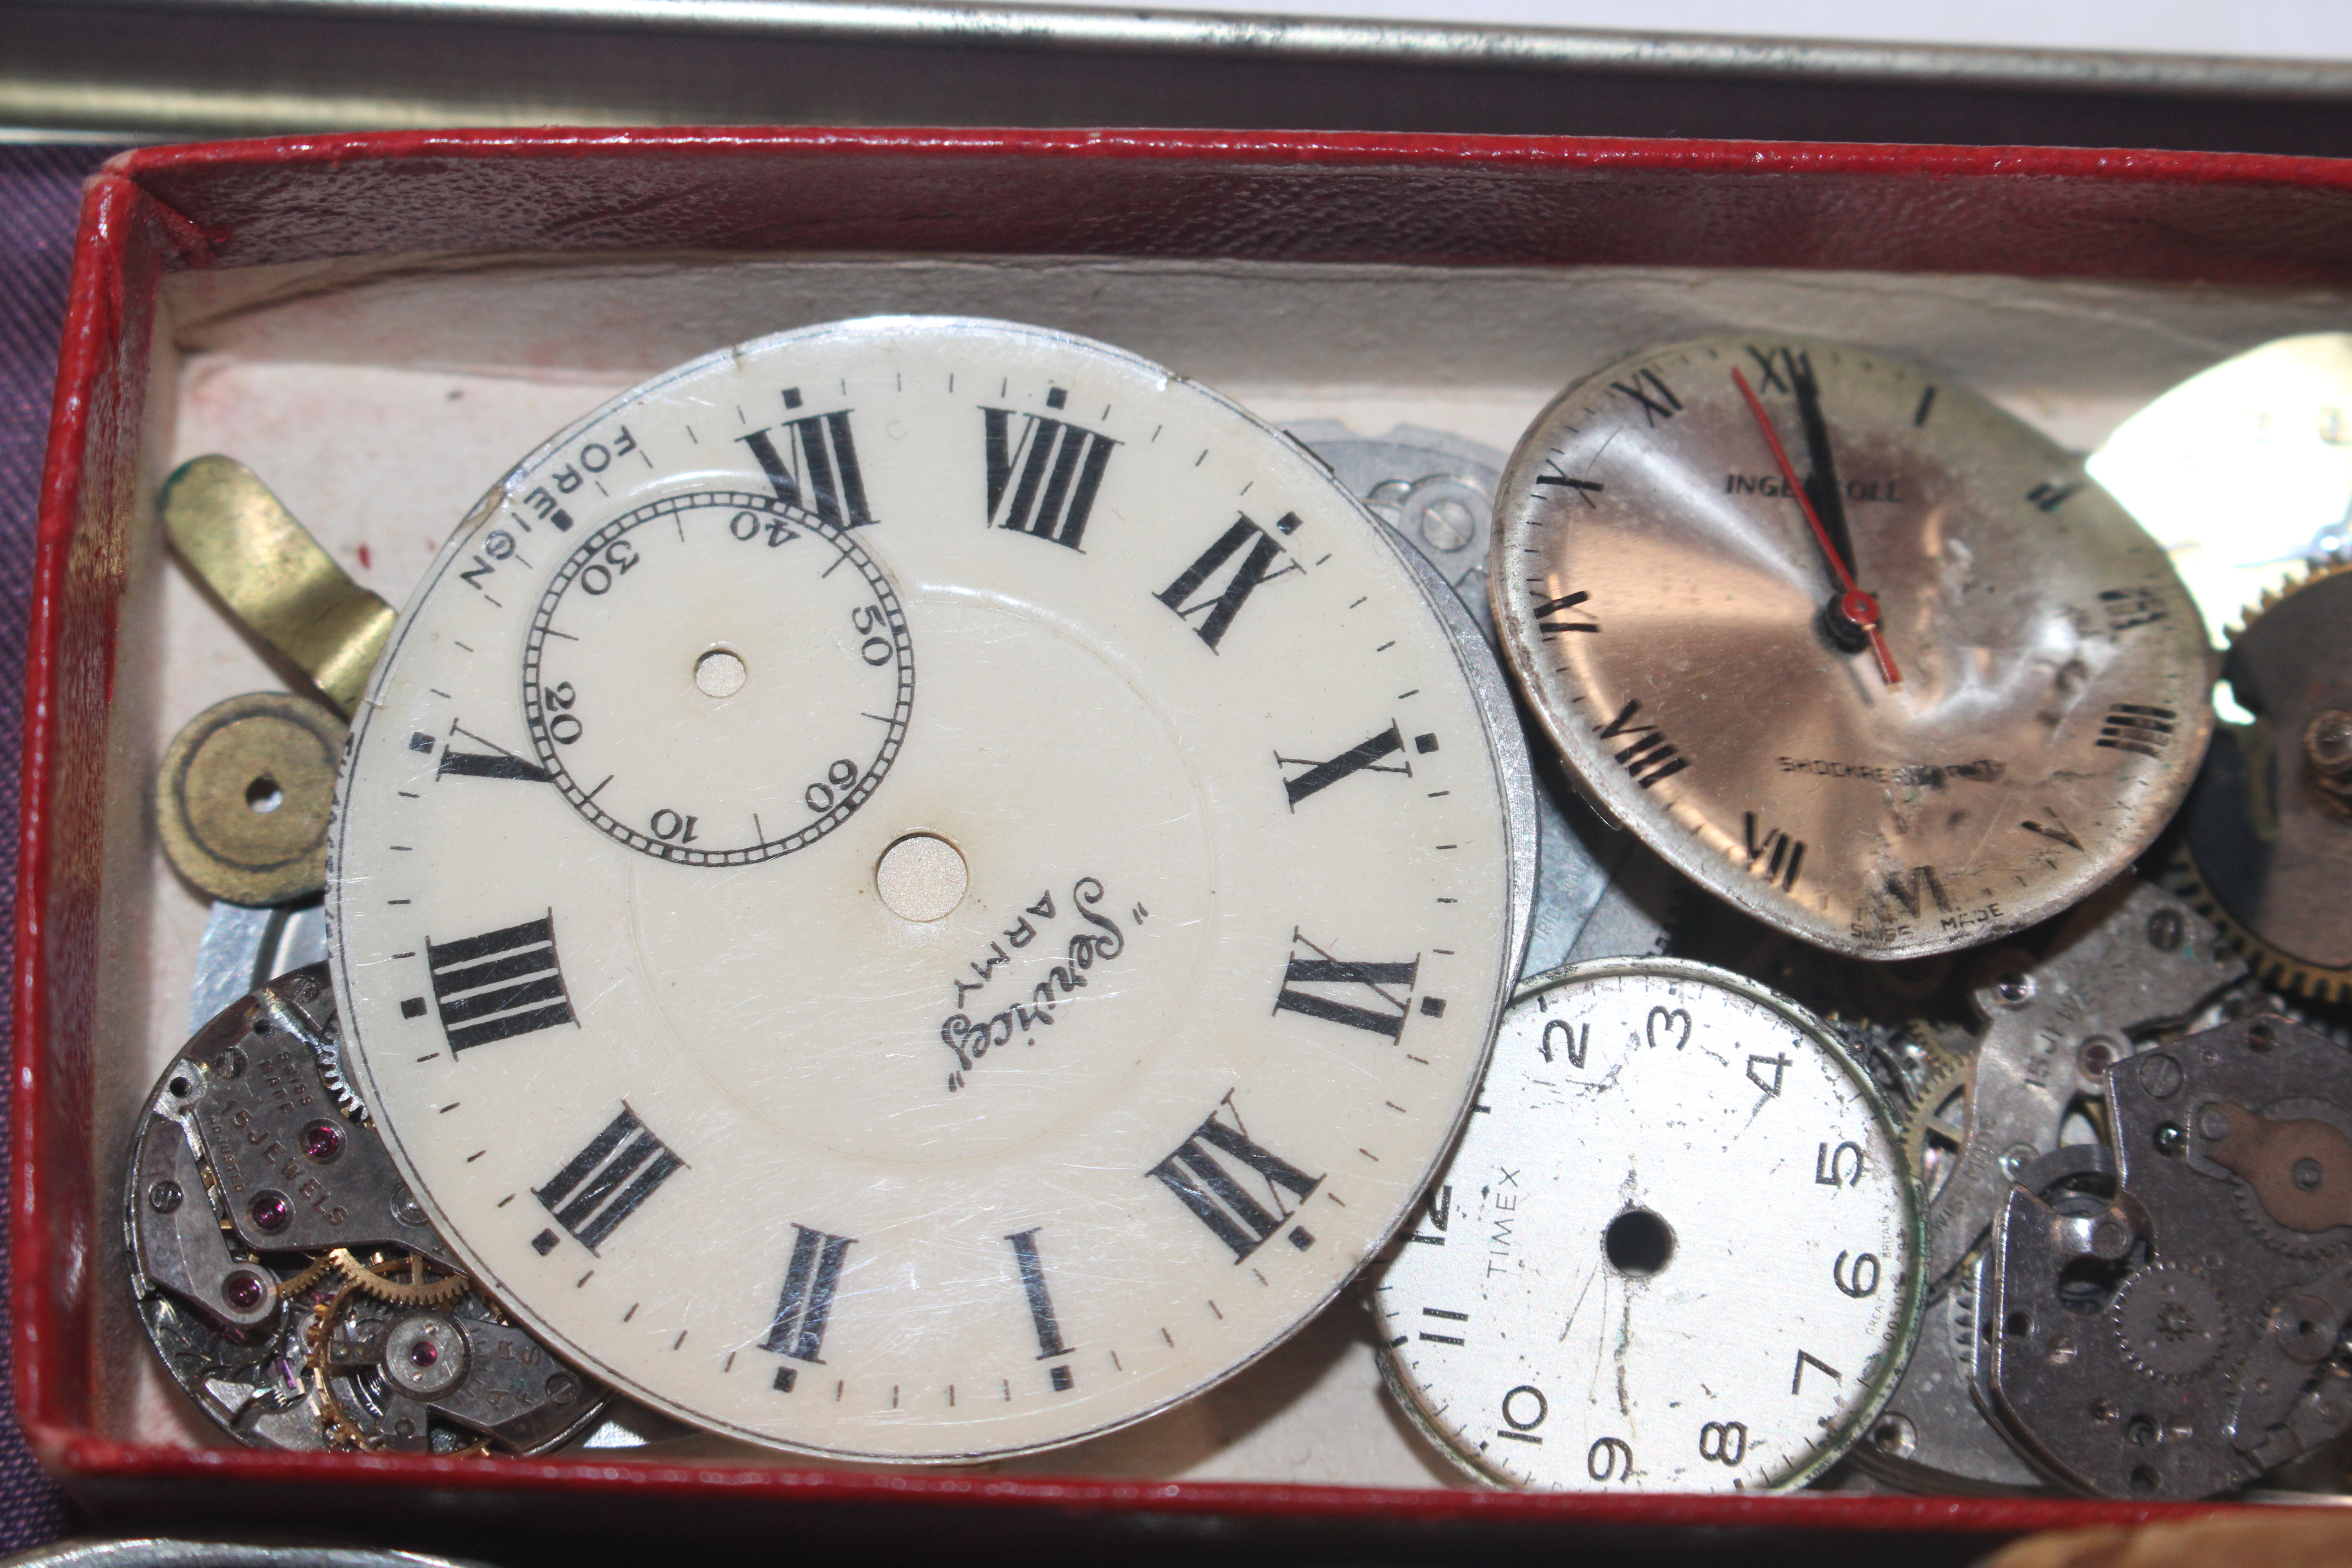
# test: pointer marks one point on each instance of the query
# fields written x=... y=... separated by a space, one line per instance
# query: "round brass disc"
x=243 y=795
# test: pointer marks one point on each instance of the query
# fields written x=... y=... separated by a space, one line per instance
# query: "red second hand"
x=1855 y=604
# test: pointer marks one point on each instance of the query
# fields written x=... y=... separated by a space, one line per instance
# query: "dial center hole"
x=1638 y=1243
x=264 y=795
x=921 y=877
x=720 y=672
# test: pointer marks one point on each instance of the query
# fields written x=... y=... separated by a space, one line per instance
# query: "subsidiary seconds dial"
x=637 y=677
x=1846 y=643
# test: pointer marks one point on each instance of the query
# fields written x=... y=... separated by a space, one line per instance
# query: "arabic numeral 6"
x=1859 y=1284
x=1609 y=1459
x=838 y=777
x=562 y=728
x=1723 y=1442
x=868 y=621
x=618 y=560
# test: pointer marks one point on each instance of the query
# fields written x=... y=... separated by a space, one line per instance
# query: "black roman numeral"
x=1226 y=603
x=2129 y=607
x=1560 y=606
x=498 y=984
x=815 y=468
x=1915 y=889
x=1585 y=490
x=1355 y=759
x=806 y=1305
x=1386 y=1018
x=1767 y=367
x=588 y=1196
x=487 y=765
x=1445 y=1319
x=2055 y=830
x=1652 y=410
x=2134 y=727
x=1782 y=856
x=1041 y=1305
x=1208 y=1187
x=1651 y=756
x=1060 y=468
x=2051 y=494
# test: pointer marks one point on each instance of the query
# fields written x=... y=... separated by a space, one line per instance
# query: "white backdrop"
x=2306 y=28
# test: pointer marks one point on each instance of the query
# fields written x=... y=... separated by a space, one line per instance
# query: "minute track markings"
x=736 y=530
x=872 y=1304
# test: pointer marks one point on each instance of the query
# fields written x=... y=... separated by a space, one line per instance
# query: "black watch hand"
x=1821 y=485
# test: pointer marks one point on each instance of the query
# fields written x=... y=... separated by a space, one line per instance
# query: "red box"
x=2249 y=246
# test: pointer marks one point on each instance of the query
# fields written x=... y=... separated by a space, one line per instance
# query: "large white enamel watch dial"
x=922 y=888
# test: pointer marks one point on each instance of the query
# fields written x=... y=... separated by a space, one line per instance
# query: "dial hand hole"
x=264 y=795
x=720 y=673
x=921 y=877
x=1638 y=1243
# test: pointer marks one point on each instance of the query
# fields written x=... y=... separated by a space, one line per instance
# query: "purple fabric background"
x=40 y=193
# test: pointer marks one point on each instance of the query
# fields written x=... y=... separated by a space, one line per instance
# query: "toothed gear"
x=1901 y=1058
x=2287 y=1242
x=330 y=1069
x=372 y=1277
x=318 y=1270
x=2169 y=1322
x=2243 y=849
x=1937 y=1128
x=337 y=1425
x=2279 y=1239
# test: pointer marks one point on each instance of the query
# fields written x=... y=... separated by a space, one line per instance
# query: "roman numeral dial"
x=1743 y=574
x=948 y=905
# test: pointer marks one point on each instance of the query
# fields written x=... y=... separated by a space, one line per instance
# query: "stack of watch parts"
x=1914 y=765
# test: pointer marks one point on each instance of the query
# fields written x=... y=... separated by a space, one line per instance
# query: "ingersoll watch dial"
x=1846 y=644
x=921 y=888
x=1678 y=1250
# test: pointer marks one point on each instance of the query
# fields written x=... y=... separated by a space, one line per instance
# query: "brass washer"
x=243 y=795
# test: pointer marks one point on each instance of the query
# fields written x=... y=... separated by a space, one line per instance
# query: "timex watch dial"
x=1678 y=1249
x=922 y=888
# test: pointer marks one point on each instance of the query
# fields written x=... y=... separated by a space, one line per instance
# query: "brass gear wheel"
x=1937 y=1129
x=2238 y=832
x=1903 y=1059
x=381 y=1278
x=318 y=1270
x=336 y=1426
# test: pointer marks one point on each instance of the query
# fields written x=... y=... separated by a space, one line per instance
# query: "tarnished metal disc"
x=243 y=795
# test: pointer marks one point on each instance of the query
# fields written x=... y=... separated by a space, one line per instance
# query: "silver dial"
x=1846 y=643
x=1678 y=1249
